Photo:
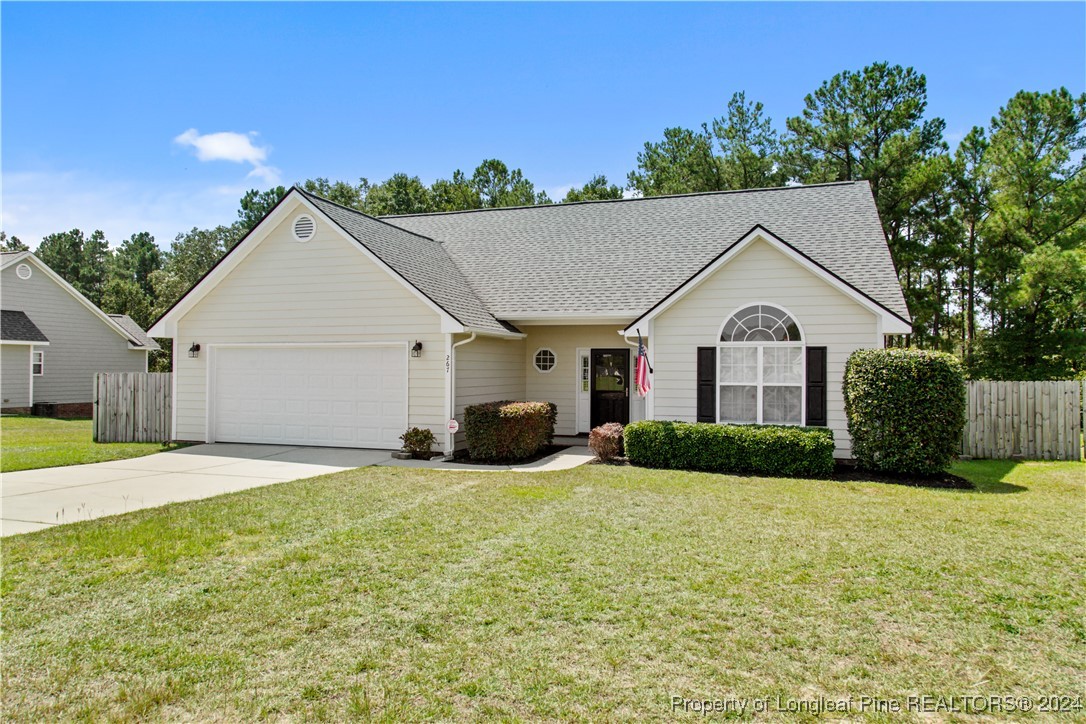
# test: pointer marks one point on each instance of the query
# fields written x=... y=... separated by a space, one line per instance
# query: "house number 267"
x=447 y=364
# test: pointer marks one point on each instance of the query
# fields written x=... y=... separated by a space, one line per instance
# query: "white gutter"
x=450 y=403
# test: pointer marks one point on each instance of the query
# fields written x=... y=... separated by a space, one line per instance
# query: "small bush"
x=508 y=431
x=905 y=408
x=756 y=449
x=418 y=441
x=606 y=441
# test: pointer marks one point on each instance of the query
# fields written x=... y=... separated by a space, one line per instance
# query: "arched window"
x=761 y=367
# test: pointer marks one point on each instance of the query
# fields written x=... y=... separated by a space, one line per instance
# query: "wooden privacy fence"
x=132 y=406
x=1033 y=420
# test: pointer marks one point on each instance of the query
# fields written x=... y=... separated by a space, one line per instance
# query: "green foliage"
x=340 y=192
x=191 y=255
x=418 y=441
x=682 y=162
x=606 y=441
x=508 y=431
x=455 y=194
x=83 y=261
x=136 y=259
x=1032 y=264
x=400 y=194
x=255 y=205
x=123 y=296
x=751 y=449
x=749 y=147
x=905 y=408
x=597 y=189
x=498 y=186
x=12 y=243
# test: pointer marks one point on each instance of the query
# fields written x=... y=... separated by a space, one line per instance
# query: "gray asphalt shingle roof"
x=15 y=326
x=135 y=331
x=423 y=262
x=618 y=257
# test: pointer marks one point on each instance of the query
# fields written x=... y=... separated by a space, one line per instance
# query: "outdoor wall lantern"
x=194 y=350
x=416 y=351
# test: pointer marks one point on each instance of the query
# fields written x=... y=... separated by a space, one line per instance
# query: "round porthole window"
x=305 y=226
x=544 y=360
x=23 y=271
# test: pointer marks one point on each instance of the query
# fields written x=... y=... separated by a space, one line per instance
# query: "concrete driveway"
x=35 y=499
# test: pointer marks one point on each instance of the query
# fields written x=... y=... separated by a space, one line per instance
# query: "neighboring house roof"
x=137 y=342
x=423 y=262
x=622 y=257
x=15 y=326
x=135 y=331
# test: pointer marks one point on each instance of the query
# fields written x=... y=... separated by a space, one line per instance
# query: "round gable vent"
x=23 y=271
x=305 y=226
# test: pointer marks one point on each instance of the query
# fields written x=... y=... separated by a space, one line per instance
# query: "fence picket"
x=1037 y=420
x=132 y=407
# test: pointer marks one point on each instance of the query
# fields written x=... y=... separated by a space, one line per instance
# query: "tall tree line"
x=989 y=240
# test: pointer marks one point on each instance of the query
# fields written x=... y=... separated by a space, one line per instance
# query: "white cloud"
x=39 y=203
x=233 y=147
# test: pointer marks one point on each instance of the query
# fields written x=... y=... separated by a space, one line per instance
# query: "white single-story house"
x=325 y=326
x=54 y=340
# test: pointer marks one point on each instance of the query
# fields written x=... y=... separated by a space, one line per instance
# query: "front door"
x=610 y=386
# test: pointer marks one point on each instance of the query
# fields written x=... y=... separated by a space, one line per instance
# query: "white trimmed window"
x=545 y=360
x=760 y=379
x=37 y=363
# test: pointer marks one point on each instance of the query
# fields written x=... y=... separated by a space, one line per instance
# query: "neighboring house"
x=325 y=326
x=54 y=340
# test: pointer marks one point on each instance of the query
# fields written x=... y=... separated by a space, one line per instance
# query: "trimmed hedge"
x=757 y=449
x=905 y=408
x=508 y=431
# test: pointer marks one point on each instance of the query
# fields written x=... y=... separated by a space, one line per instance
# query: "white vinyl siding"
x=80 y=342
x=15 y=375
x=324 y=290
x=560 y=385
x=759 y=273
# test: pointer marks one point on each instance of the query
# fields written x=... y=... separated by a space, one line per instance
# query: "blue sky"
x=108 y=109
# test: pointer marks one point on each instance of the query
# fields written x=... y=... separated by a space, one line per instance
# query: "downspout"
x=649 y=415
x=451 y=362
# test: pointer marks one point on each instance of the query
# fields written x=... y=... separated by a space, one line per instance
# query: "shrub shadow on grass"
x=850 y=473
x=989 y=476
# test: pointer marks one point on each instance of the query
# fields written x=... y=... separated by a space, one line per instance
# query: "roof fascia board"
x=570 y=320
x=63 y=284
x=493 y=333
x=891 y=323
x=24 y=342
x=12 y=258
x=166 y=326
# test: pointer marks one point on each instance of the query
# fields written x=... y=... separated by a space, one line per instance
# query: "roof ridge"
x=561 y=204
x=378 y=219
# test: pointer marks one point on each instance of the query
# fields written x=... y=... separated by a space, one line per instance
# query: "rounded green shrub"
x=905 y=408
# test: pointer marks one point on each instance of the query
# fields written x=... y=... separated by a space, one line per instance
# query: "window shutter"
x=816 y=386
x=706 y=384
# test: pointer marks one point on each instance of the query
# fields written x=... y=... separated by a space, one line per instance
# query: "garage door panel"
x=342 y=396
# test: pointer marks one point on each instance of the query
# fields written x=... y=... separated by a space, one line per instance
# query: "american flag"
x=641 y=376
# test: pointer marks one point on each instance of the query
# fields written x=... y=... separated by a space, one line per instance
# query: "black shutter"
x=706 y=384
x=816 y=386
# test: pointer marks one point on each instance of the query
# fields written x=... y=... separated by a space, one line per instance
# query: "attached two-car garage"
x=325 y=395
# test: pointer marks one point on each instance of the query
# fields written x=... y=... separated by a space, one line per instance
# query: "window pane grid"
x=760 y=380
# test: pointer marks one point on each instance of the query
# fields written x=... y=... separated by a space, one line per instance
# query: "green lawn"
x=27 y=443
x=595 y=593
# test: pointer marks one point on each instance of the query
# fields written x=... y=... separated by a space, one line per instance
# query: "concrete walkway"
x=34 y=499
x=562 y=460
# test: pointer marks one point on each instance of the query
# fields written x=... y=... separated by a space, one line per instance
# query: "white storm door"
x=336 y=396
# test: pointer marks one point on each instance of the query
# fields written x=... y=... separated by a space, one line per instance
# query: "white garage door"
x=331 y=396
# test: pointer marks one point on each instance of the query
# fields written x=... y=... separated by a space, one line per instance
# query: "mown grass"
x=596 y=593
x=28 y=443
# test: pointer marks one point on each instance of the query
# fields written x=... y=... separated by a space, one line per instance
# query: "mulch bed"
x=462 y=457
x=849 y=473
